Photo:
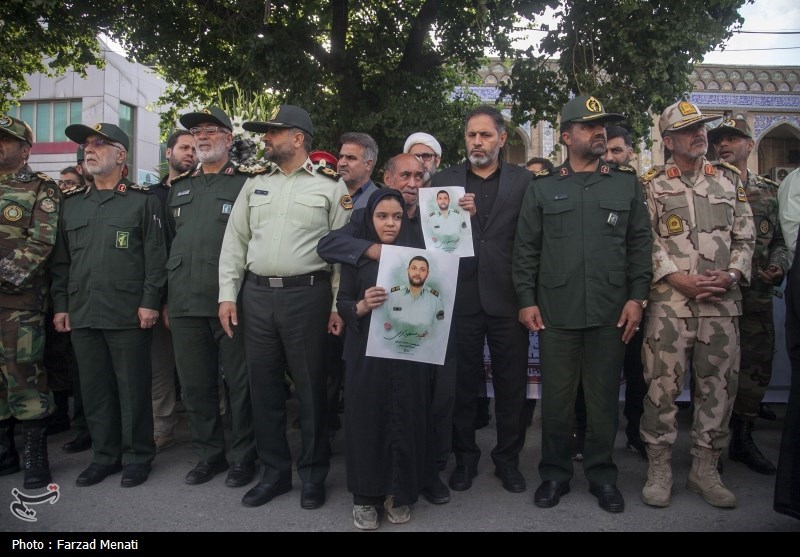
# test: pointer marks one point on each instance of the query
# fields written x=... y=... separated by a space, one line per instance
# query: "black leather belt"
x=283 y=282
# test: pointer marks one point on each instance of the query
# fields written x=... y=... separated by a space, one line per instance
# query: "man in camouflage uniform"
x=733 y=142
x=703 y=245
x=29 y=210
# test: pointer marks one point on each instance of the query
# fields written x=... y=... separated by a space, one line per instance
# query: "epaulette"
x=180 y=177
x=432 y=214
x=729 y=166
x=144 y=188
x=395 y=289
x=770 y=182
x=253 y=170
x=542 y=173
x=435 y=292
x=72 y=190
x=324 y=170
x=650 y=174
x=624 y=168
x=44 y=177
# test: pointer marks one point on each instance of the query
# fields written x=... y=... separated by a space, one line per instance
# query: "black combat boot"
x=37 y=467
x=743 y=448
x=9 y=457
x=59 y=420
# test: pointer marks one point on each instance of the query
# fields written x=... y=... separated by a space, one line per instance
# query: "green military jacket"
x=30 y=205
x=110 y=256
x=199 y=205
x=583 y=245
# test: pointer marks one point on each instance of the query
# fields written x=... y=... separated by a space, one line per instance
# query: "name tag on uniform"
x=612 y=219
x=397 y=309
x=436 y=226
x=261 y=192
x=561 y=196
x=226 y=208
x=184 y=192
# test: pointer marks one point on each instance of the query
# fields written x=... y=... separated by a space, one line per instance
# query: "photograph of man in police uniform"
x=445 y=228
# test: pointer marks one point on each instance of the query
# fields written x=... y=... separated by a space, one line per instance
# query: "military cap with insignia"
x=16 y=128
x=80 y=132
x=680 y=115
x=730 y=126
x=587 y=109
x=210 y=114
x=285 y=116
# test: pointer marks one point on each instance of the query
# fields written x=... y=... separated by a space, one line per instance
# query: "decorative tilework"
x=730 y=100
x=762 y=122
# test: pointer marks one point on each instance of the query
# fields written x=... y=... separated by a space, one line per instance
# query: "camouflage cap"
x=16 y=128
x=210 y=114
x=730 y=126
x=680 y=115
x=587 y=109
x=285 y=116
x=79 y=132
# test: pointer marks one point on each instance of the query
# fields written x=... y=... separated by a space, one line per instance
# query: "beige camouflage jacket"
x=703 y=226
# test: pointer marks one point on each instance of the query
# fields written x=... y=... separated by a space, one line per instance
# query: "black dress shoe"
x=513 y=481
x=461 y=478
x=264 y=492
x=609 y=497
x=549 y=493
x=240 y=474
x=204 y=471
x=96 y=473
x=438 y=494
x=83 y=442
x=134 y=474
x=312 y=496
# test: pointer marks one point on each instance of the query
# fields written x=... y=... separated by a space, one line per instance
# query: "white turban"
x=424 y=139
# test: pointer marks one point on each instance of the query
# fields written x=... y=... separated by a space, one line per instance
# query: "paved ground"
x=165 y=504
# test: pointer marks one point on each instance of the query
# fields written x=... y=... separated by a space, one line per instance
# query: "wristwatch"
x=734 y=280
x=642 y=303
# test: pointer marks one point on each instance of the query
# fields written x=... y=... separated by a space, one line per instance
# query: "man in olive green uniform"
x=29 y=210
x=200 y=202
x=703 y=246
x=733 y=142
x=108 y=281
x=581 y=269
x=269 y=256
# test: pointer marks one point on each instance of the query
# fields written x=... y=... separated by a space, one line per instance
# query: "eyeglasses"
x=67 y=183
x=209 y=130
x=425 y=156
x=98 y=143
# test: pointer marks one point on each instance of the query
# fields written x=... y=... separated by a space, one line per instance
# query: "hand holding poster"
x=414 y=322
x=445 y=226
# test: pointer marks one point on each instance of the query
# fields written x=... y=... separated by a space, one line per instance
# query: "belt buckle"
x=276 y=282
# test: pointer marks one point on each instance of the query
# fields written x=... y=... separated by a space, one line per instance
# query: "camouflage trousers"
x=23 y=384
x=710 y=346
x=755 y=373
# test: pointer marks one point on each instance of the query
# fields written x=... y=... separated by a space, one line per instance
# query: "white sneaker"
x=396 y=515
x=365 y=517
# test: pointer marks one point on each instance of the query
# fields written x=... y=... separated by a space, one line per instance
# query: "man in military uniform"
x=29 y=210
x=447 y=225
x=703 y=246
x=733 y=142
x=108 y=281
x=200 y=202
x=287 y=299
x=581 y=268
x=412 y=309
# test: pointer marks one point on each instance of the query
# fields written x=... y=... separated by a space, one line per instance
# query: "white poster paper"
x=445 y=226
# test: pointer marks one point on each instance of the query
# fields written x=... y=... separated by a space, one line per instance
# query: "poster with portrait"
x=414 y=322
x=446 y=227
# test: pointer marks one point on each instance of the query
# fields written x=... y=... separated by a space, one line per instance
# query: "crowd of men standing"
x=229 y=275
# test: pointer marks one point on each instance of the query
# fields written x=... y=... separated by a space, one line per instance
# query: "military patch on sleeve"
x=51 y=192
x=740 y=194
x=346 y=202
x=674 y=224
x=47 y=205
x=330 y=173
x=650 y=174
x=764 y=226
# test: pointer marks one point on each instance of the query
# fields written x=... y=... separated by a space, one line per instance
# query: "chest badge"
x=612 y=219
x=122 y=239
x=764 y=226
x=226 y=208
x=12 y=213
x=674 y=224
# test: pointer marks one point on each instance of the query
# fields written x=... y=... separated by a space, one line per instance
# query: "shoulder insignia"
x=51 y=191
x=121 y=188
x=144 y=188
x=650 y=174
x=435 y=292
x=626 y=168
x=728 y=166
x=228 y=170
x=23 y=176
x=432 y=214
x=604 y=169
x=542 y=173
x=44 y=177
x=770 y=182
x=252 y=170
x=72 y=190
x=180 y=177
x=564 y=171
x=330 y=173
x=346 y=202
x=740 y=194
x=395 y=289
x=673 y=172
x=454 y=211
